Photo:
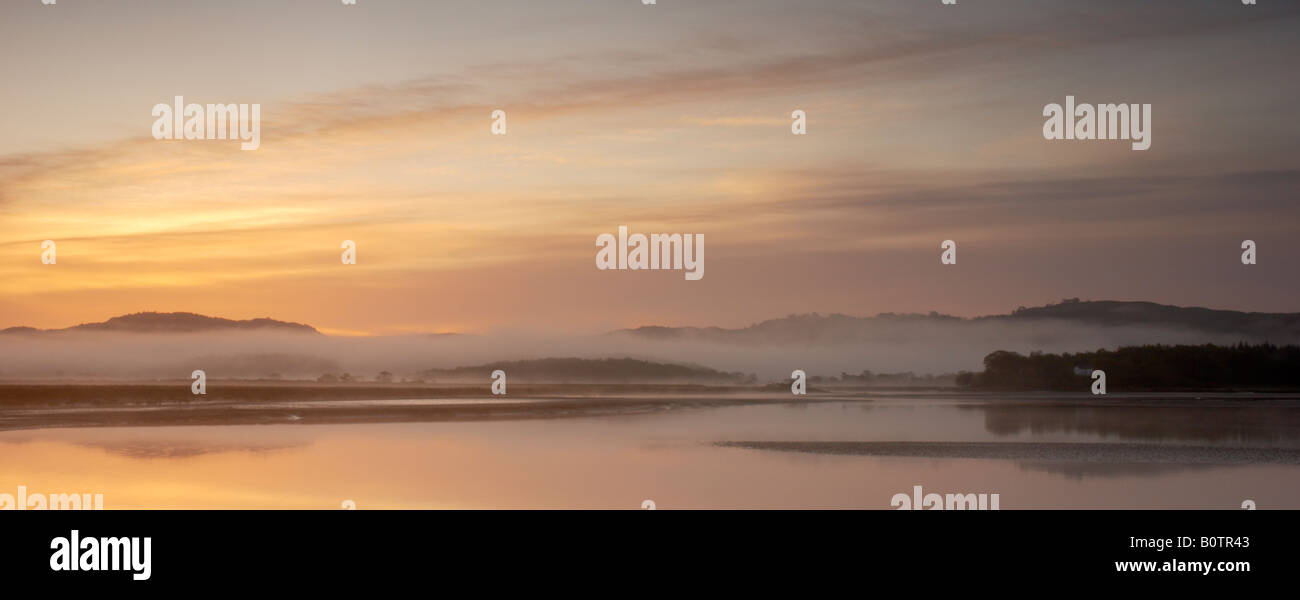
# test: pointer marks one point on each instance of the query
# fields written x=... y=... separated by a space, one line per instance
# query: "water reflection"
x=1081 y=471
x=1244 y=425
x=670 y=456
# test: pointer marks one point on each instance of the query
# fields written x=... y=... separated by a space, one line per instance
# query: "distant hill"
x=605 y=370
x=176 y=322
x=1112 y=313
x=838 y=328
x=822 y=329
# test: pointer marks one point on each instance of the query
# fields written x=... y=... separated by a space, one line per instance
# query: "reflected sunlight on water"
x=617 y=462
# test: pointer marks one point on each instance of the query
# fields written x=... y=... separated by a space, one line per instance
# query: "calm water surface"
x=670 y=457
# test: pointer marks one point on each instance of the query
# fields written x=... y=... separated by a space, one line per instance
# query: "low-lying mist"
x=919 y=345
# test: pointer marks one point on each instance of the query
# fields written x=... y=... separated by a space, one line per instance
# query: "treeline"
x=868 y=378
x=1157 y=367
x=583 y=370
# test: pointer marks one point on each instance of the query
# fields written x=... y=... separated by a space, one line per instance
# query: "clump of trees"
x=1150 y=367
x=603 y=370
x=868 y=378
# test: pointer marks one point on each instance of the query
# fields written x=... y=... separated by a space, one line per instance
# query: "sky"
x=924 y=124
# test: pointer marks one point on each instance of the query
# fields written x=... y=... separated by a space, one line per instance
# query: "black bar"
x=760 y=550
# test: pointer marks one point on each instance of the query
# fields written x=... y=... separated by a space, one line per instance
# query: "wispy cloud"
x=923 y=125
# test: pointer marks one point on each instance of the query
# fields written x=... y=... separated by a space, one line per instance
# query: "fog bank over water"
x=918 y=344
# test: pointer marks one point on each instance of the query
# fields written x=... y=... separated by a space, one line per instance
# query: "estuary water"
x=1034 y=451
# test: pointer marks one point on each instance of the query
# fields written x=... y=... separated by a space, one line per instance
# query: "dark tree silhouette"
x=1144 y=367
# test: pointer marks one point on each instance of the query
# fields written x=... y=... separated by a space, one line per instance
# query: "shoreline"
x=1054 y=452
x=106 y=404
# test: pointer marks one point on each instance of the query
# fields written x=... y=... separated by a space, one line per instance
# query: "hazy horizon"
x=325 y=331
x=924 y=344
